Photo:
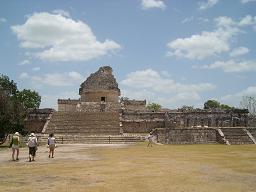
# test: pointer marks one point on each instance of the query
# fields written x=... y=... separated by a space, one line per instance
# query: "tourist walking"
x=32 y=145
x=150 y=140
x=15 y=144
x=51 y=144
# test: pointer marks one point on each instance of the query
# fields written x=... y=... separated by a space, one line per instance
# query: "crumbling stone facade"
x=98 y=93
x=36 y=119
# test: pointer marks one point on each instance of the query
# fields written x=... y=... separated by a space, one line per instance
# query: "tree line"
x=14 y=106
x=248 y=102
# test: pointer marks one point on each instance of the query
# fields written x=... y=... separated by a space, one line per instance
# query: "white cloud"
x=24 y=62
x=236 y=98
x=50 y=100
x=54 y=37
x=149 y=4
x=2 y=20
x=75 y=75
x=247 y=20
x=201 y=46
x=158 y=87
x=202 y=19
x=36 y=68
x=58 y=79
x=187 y=19
x=247 y=1
x=24 y=75
x=208 y=4
x=209 y=43
x=61 y=12
x=239 y=51
x=232 y=66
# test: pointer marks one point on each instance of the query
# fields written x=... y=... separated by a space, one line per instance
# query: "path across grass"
x=132 y=168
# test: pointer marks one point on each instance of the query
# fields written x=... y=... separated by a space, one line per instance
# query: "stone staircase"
x=236 y=136
x=252 y=131
x=83 y=123
x=91 y=139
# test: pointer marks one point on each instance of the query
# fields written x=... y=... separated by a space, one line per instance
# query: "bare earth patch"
x=115 y=168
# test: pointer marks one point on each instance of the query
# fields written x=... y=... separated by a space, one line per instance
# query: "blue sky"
x=172 y=52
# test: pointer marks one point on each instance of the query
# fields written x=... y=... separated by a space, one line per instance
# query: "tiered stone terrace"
x=84 y=123
x=236 y=136
x=253 y=132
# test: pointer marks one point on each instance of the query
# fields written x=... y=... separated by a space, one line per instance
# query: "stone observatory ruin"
x=101 y=116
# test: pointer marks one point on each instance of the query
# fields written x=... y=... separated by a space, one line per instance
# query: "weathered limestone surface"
x=67 y=104
x=187 y=136
x=100 y=86
x=236 y=135
x=36 y=119
x=252 y=131
x=133 y=105
x=84 y=123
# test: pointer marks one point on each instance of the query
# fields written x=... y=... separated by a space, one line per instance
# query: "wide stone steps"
x=71 y=124
x=93 y=139
x=236 y=136
x=86 y=123
x=252 y=131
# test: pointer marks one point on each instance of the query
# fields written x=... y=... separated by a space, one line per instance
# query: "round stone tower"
x=100 y=86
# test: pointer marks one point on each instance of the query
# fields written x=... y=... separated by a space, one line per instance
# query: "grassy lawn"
x=177 y=168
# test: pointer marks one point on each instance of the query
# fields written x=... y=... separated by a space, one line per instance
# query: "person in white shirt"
x=51 y=144
x=150 y=140
x=32 y=145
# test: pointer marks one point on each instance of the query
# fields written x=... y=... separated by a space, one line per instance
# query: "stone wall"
x=134 y=105
x=138 y=115
x=205 y=118
x=36 y=119
x=67 y=104
x=187 y=136
x=99 y=95
x=98 y=107
x=252 y=121
x=35 y=125
x=141 y=122
x=140 y=126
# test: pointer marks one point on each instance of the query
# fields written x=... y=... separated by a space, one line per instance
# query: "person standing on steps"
x=15 y=142
x=51 y=144
x=32 y=145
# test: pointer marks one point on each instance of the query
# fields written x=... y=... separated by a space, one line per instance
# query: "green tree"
x=226 y=107
x=14 y=105
x=211 y=104
x=154 y=107
x=187 y=108
x=7 y=85
x=29 y=99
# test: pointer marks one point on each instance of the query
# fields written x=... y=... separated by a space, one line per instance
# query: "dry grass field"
x=132 y=168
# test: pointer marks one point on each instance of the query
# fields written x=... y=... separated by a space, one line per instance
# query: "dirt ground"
x=177 y=168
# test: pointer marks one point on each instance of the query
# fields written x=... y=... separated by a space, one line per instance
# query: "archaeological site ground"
x=132 y=168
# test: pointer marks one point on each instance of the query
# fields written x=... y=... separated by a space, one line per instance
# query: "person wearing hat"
x=15 y=142
x=32 y=145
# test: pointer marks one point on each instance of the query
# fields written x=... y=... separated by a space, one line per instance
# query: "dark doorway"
x=103 y=99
